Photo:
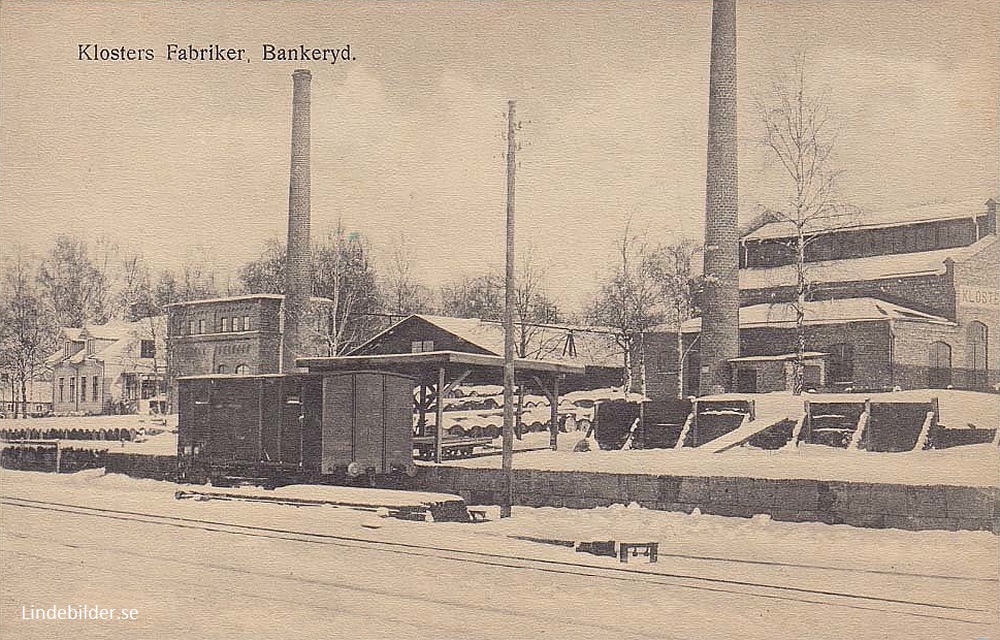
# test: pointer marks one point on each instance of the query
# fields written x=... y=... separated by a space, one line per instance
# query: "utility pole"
x=508 y=330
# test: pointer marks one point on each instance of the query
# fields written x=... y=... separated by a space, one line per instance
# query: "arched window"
x=840 y=366
x=221 y=369
x=939 y=365
x=242 y=369
x=978 y=351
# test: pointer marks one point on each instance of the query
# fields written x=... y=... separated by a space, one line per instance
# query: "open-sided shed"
x=438 y=373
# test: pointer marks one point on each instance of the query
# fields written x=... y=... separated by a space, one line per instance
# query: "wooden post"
x=439 y=428
x=58 y=455
x=507 y=463
x=554 y=414
x=422 y=409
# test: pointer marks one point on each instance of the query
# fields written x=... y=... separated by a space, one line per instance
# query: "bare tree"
x=344 y=275
x=673 y=274
x=74 y=286
x=532 y=304
x=629 y=302
x=403 y=293
x=474 y=297
x=800 y=135
x=29 y=328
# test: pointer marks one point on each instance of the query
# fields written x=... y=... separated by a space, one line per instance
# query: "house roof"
x=119 y=335
x=931 y=212
x=594 y=346
x=869 y=268
x=242 y=298
x=782 y=314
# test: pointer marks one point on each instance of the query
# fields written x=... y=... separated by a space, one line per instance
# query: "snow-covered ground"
x=959 y=409
x=204 y=582
x=131 y=421
x=758 y=538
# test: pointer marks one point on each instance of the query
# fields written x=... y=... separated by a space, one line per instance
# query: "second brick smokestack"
x=720 y=340
x=298 y=272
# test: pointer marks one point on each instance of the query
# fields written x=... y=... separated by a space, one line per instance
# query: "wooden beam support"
x=439 y=428
x=554 y=414
x=457 y=381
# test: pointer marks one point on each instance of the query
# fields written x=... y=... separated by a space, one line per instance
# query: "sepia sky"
x=190 y=161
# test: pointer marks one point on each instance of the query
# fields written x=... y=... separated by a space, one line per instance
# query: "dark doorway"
x=746 y=381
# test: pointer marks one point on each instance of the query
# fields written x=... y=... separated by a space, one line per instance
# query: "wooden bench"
x=477 y=515
x=647 y=549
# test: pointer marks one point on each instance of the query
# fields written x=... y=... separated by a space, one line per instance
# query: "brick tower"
x=298 y=273
x=720 y=301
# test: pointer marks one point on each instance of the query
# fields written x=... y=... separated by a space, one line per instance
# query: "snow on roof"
x=808 y=355
x=240 y=298
x=121 y=335
x=824 y=312
x=869 y=268
x=593 y=346
x=244 y=297
x=930 y=212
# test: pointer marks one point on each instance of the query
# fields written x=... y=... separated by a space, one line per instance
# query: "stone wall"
x=833 y=502
x=142 y=466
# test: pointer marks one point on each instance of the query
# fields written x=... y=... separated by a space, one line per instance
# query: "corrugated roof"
x=869 y=268
x=782 y=314
x=931 y=212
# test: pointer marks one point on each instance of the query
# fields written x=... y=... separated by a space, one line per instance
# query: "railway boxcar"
x=337 y=427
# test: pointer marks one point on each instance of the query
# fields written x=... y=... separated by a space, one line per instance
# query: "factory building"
x=907 y=299
x=238 y=335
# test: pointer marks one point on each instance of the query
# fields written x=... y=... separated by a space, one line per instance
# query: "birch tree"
x=799 y=134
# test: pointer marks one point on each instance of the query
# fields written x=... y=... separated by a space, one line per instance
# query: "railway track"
x=653 y=577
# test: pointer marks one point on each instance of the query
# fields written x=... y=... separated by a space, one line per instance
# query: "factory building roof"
x=931 y=212
x=783 y=314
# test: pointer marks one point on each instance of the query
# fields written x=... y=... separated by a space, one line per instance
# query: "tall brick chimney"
x=721 y=298
x=298 y=272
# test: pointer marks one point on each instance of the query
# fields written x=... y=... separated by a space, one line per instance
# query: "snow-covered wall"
x=854 y=503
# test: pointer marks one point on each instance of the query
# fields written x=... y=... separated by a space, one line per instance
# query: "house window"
x=225 y=325
x=978 y=346
x=237 y=323
x=72 y=389
x=222 y=369
x=94 y=389
x=147 y=349
x=201 y=326
x=192 y=326
x=83 y=389
x=939 y=365
x=421 y=346
x=246 y=323
x=242 y=369
x=62 y=388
